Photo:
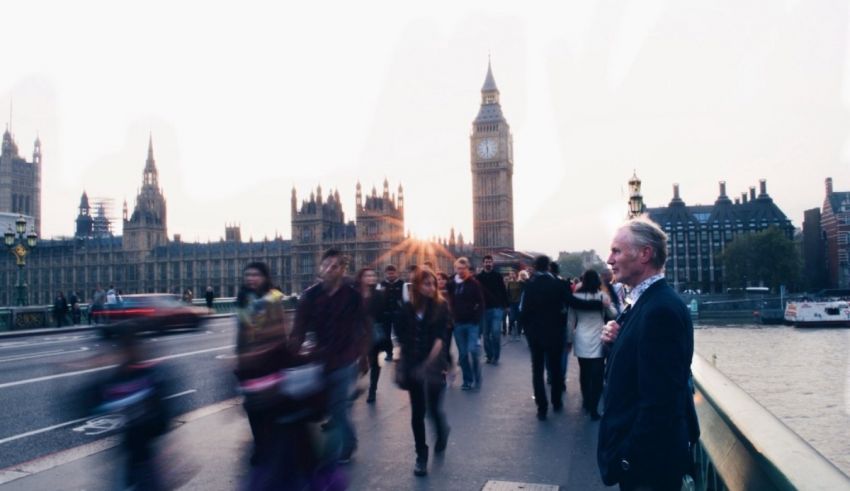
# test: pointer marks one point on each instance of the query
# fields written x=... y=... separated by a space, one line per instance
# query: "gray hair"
x=646 y=233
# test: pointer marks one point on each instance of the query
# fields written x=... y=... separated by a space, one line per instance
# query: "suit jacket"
x=544 y=300
x=649 y=418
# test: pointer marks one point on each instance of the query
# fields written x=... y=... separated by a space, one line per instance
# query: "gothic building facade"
x=20 y=181
x=144 y=260
x=492 y=162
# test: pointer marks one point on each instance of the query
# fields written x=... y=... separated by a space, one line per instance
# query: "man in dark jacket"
x=495 y=303
x=209 y=296
x=393 y=289
x=541 y=311
x=467 y=303
x=649 y=421
x=333 y=311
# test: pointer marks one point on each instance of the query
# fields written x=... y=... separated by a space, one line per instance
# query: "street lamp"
x=20 y=244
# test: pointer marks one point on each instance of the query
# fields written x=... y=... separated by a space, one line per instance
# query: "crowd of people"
x=631 y=334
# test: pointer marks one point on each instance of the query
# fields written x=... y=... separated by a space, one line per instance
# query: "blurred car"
x=150 y=312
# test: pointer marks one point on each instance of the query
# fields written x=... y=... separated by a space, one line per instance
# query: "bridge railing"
x=744 y=446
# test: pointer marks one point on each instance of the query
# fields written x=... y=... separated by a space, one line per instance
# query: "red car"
x=156 y=311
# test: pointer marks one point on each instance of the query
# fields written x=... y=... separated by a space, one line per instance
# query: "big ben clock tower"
x=492 y=157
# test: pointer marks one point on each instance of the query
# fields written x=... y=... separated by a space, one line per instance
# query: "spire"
x=489 y=81
x=150 y=173
x=150 y=163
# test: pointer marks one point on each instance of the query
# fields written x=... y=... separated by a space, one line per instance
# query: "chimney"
x=829 y=186
x=676 y=191
x=752 y=193
x=722 y=188
x=744 y=197
x=762 y=187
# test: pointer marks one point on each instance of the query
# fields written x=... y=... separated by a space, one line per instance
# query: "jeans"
x=341 y=380
x=513 y=319
x=466 y=337
x=493 y=319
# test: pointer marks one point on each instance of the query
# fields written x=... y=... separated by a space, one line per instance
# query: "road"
x=42 y=378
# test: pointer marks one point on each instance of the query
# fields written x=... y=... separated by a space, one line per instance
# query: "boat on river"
x=826 y=313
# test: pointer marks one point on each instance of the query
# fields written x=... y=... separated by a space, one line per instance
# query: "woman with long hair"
x=424 y=323
x=366 y=282
x=587 y=326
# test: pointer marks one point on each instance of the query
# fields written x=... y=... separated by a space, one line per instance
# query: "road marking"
x=181 y=394
x=21 y=344
x=67 y=456
x=42 y=430
x=107 y=367
x=43 y=354
x=101 y=424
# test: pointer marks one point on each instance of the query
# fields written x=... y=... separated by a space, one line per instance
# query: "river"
x=800 y=375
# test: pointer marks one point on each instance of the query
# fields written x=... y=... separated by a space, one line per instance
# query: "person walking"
x=424 y=337
x=74 y=300
x=366 y=283
x=60 y=309
x=209 y=297
x=649 y=421
x=587 y=328
x=97 y=305
x=541 y=308
x=467 y=308
x=260 y=327
x=333 y=311
x=495 y=303
x=514 y=287
x=615 y=291
x=393 y=290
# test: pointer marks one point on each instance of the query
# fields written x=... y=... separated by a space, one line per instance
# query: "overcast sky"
x=247 y=99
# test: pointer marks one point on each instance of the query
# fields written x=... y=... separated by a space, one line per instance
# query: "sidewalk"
x=495 y=436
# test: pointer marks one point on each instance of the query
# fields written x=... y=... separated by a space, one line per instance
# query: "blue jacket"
x=649 y=418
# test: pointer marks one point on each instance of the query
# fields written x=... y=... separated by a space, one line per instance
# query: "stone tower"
x=146 y=227
x=380 y=227
x=85 y=222
x=20 y=181
x=492 y=158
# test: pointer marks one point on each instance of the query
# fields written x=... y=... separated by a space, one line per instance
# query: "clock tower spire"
x=492 y=159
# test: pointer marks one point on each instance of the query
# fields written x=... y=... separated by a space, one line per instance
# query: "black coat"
x=417 y=336
x=542 y=308
x=649 y=417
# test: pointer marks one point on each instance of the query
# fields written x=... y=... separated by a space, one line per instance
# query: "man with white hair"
x=649 y=421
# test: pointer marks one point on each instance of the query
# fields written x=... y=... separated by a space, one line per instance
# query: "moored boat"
x=828 y=313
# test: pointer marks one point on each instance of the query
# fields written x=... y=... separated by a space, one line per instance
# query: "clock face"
x=488 y=148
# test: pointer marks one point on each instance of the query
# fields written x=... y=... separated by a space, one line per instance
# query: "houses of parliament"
x=143 y=259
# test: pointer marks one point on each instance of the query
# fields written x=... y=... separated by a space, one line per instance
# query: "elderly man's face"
x=625 y=259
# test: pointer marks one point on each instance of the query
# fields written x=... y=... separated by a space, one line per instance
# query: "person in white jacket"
x=586 y=325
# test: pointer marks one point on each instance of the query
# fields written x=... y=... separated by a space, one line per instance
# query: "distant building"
x=20 y=181
x=814 y=251
x=698 y=234
x=835 y=226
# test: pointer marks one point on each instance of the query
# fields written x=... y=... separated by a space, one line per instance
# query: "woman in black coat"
x=373 y=300
x=423 y=330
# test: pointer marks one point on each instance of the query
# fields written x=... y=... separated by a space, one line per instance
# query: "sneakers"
x=371 y=398
x=345 y=456
x=465 y=387
x=541 y=414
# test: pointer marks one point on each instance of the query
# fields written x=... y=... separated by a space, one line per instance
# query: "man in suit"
x=649 y=421
x=543 y=301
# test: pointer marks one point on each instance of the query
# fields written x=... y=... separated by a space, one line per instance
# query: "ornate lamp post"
x=20 y=244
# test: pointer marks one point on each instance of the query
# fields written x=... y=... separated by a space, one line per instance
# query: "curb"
x=65 y=330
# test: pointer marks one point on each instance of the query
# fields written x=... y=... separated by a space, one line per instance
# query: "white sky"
x=247 y=99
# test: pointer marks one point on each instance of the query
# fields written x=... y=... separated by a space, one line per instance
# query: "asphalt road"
x=42 y=378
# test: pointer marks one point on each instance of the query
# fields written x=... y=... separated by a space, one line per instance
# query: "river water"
x=800 y=375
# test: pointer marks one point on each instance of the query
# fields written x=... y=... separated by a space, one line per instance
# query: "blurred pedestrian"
x=209 y=297
x=332 y=310
x=495 y=303
x=97 y=305
x=423 y=333
x=188 y=296
x=260 y=328
x=467 y=307
x=516 y=283
x=587 y=326
x=60 y=309
x=74 y=300
x=614 y=290
x=366 y=283
x=392 y=288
